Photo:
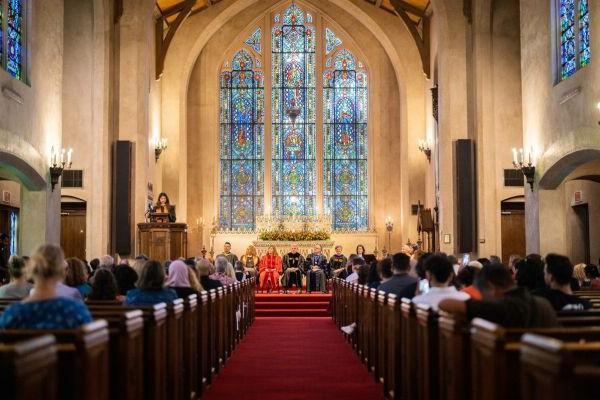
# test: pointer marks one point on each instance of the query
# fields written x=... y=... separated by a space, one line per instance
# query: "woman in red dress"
x=270 y=270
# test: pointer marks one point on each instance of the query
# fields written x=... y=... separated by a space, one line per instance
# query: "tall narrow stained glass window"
x=574 y=36
x=345 y=142
x=241 y=151
x=293 y=113
x=14 y=22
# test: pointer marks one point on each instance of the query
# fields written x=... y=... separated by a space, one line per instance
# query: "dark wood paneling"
x=466 y=204
x=513 y=234
x=73 y=233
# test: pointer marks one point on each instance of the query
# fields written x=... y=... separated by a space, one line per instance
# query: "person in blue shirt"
x=44 y=309
x=150 y=287
x=77 y=276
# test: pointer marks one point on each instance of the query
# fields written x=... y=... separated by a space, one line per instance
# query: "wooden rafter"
x=422 y=39
x=163 y=41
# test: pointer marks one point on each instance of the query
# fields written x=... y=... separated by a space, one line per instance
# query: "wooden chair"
x=29 y=367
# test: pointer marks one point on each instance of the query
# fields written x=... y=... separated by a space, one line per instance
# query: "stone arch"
x=566 y=154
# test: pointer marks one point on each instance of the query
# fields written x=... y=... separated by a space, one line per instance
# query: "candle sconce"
x=160 y=145
x=425 y=147
x=524 y=163
x=58 y=163
x=389 y=227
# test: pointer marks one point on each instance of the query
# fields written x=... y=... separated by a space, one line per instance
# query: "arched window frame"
x=323 y=25
x=573 y=31
x=13 y=38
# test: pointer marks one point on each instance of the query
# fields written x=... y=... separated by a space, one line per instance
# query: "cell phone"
x=466 y=259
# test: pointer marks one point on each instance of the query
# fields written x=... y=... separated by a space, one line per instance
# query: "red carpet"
x=292 y=305
x=296 y=359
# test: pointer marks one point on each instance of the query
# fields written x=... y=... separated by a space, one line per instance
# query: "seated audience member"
x=221 y=272
x=150 y=287
x=194 y=281
x=580 y=277
x=357 y=262
x=126 y=277
x=373 y=280
x=76 y=276
x=401 y=283
x=94 y=265
x=558 y=272
x=384 y=270
x=440 y=273
x=495 y=260
x=105 y=287
x=138 y=264
x=105 y=262
x=512 y=264
x=205 y=280
x=240 y=272
x=530 y=273
x=179 y=279
x=423 y=285
x=363 y=274
x=503 y=302
x=45 y=308
x=230 y=271
x=455 y=263
x=466 y=280
x=18 y=287
x=593 y=276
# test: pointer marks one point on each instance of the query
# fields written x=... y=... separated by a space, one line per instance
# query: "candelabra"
x=160 y=145
x=425 y=147
x=58 y=163
x=389 y=227
x=524 y=163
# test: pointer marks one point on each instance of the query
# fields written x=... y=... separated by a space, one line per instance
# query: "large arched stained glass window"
x=242 y=158
x=345 y=142
x=293 y=118
x=574 y=23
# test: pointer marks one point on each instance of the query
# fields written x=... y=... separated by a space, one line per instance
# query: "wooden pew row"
x=29 y=367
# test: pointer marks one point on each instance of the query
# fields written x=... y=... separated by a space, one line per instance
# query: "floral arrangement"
x=293 y=236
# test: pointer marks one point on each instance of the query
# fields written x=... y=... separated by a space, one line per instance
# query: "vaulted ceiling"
x=171 y=13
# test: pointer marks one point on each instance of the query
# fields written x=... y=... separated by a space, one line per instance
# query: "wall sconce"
x=389 y=227
x=58 y=164
x=160 y=145
x=425 y=147
x=524 y=163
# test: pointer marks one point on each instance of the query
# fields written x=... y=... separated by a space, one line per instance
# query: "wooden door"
x=513 y=234
x=72 y=230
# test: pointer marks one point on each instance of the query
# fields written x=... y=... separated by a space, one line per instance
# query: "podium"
x=162 y=241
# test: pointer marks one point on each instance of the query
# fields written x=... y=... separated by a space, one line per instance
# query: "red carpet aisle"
x=293 y=305
x=294 y=359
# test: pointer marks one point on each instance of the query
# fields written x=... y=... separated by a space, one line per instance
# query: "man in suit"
x=316 y=270
x=401 y=283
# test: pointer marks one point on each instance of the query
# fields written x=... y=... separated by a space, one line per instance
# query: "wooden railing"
x=165 y=351
x=416 y=353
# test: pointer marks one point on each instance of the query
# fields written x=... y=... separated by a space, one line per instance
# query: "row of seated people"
x=293 y=269
x=496 y=340
x=162 y=340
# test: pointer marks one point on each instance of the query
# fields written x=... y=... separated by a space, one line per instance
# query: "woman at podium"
x=163 y=206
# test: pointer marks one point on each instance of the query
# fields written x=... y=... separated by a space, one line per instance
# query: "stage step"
x=265 y=305
x=295 y=298
x=292 y=305
x=291 y=312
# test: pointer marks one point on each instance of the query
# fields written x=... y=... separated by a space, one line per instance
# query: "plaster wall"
x=14 y=188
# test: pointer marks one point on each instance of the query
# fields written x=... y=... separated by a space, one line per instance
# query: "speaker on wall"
x=466 y=196
x=121 y=197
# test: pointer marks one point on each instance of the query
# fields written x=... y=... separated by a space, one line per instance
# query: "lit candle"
x=53 y=156
x=69 y=157
x=521 y=159
x=515 y=160
x=62 y=157
x=530 y=156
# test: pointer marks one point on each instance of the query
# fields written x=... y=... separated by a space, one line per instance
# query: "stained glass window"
x=293 y=99
x=14 y=225
x=1 y=33
x=255 y=40
x=13 y=38
x=331 y=41
x=574 y=36
x=345 y=143
x=241 y=151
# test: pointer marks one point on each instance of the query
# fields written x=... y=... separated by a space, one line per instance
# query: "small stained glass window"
x=574 y=23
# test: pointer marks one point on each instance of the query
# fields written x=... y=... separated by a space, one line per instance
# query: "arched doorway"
x=512 y=223
x=73 y=233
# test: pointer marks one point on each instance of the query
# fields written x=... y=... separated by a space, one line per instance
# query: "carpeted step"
x=291 y=312
x=323 y=305
x=296 y=298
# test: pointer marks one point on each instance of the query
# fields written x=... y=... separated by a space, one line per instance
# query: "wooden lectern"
x=162 y=241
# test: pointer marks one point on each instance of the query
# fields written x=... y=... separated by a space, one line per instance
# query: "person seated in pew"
x=205 y=280
x=220 y=274
x=18 y=287
x=105 y=287
x=45 y=308
x=530 y=272
x=240 y=272
x=76 y=276
x=373 y=280
x=193 y=275
x=401 y=283
x=558 y=272
x=126 y=277
x=150 y=287
x=503 y=302
x=593 y=275
x=179 y=279
x=439 y=271
x=465 y=279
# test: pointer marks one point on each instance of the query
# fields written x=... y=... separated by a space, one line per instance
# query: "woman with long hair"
x=360 y=251
x=105 y=287
x=250 y=261
x=77 y=277
x=151 y=286
x=179 y=279
x=163 y=205
x=270 y=270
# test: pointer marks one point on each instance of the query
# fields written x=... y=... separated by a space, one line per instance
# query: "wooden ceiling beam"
x=408 y=7
x=421 y=38
x=164 y=41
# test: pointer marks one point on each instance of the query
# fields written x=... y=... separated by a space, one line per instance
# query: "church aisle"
x=294 y=358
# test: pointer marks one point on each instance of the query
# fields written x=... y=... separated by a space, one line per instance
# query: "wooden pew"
x=408 y=364
x=554 y=370
x=82 y=358
x=454 y=357
x=495 y=356
x=29 y=368
x=191 y=329
x=427 y=352
x=204 y=367
x=126 y=330
x=175 y=339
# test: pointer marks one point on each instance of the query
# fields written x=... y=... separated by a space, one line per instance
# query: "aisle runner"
x=296 y=359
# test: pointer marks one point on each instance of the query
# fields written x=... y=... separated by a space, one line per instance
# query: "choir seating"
x=164 y=351
x=417 y=353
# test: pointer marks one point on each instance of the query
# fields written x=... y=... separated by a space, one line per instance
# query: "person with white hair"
x=221 y=272
x=105 y=262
